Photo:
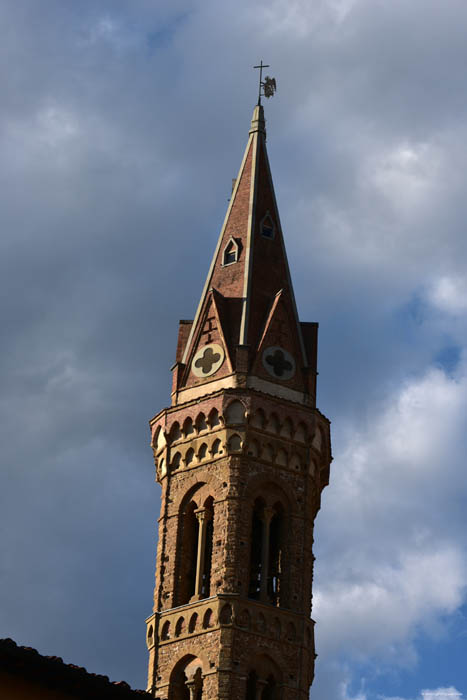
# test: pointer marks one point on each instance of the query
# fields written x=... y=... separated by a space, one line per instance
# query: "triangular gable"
x=202 y=366
x=279 y=354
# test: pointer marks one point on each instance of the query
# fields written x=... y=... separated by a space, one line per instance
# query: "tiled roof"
x=52 y=672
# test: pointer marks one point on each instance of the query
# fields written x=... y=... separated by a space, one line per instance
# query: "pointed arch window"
x=195 y=549
x=267 y=554
x=267 y=227
x=231 y=252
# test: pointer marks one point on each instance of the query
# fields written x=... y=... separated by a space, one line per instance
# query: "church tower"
x=242 y=456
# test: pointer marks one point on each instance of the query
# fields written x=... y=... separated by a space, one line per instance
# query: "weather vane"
x=268 y=85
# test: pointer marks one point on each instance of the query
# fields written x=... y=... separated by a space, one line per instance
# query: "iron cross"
x=261 y=66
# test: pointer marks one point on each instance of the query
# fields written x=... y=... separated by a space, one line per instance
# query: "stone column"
x=260 y=686
x=194 y=685
x=266 y=518
x=203 y=516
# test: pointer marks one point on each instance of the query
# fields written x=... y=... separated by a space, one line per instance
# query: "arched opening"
x=256 y=549
x=251 y=683
x=188 y=427
x=295 y=463
x=225 y=617
x=235 y=443
x=235 y=413
x=263 y=680
x=180 y=626
x=208 y=619
x=300 y=434
x=267 y=453
x=175 y=433
x=287 y=428
x=216 y=447
x=175 y=464
x=261 y=624
x=267 y=549
x=193 y=622
x=275 y=563
x=253 y=448
x=159 y=439
x=273 y=424
x=201 y=423
x=281 y=458
x=259 y=419
x=189 y=457
x=186 y=680
x=194 y=551
x=165 y=634
x=188 y=554
x=230 y=252
x=244 y=619
x=213 y=418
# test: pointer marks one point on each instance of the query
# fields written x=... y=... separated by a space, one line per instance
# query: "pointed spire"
x=247 y=306
x=258 y=123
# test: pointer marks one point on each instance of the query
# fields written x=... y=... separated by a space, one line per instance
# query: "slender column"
x=260 y=686
x=194 y=685
x=266 y=518
x=203 y=516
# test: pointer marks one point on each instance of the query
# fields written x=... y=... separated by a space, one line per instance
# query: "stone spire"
x=242 y=456
x=247 y=311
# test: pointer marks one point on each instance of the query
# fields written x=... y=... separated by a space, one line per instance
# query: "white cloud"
x=450 y=693
x=449 y=294
x=390 y=560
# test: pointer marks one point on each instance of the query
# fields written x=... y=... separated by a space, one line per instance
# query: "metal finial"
x=268 y=85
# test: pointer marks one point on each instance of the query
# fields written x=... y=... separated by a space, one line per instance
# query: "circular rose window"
x=279 y=363
x=207 y=360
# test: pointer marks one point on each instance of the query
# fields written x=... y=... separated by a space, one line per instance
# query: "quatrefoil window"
x=279 y=363
x=207 y=360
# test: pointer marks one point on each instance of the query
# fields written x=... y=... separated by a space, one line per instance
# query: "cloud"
x=450 y=693
x=449 y=294
x=390 y=558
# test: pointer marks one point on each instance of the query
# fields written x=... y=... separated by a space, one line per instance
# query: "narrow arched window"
x=193 y=622
x=235 y=443
x=194 y=552
x=267 y=227
x=176 y=460
x=256 y=550
x=180 y=626
x=188 y=554
x=188 y=427
x=251 y=683
x=201 y=423
x=275 y=559
x=175 y=433
x=213 y=418
x=230 y=252
x=235 y=413
x=216 y=447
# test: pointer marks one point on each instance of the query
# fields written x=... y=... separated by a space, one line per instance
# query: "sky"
x=122 y=124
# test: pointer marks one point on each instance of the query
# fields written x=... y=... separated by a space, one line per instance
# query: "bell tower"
x=242 y=456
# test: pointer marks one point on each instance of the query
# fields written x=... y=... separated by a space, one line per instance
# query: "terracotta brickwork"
x=242 y=456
